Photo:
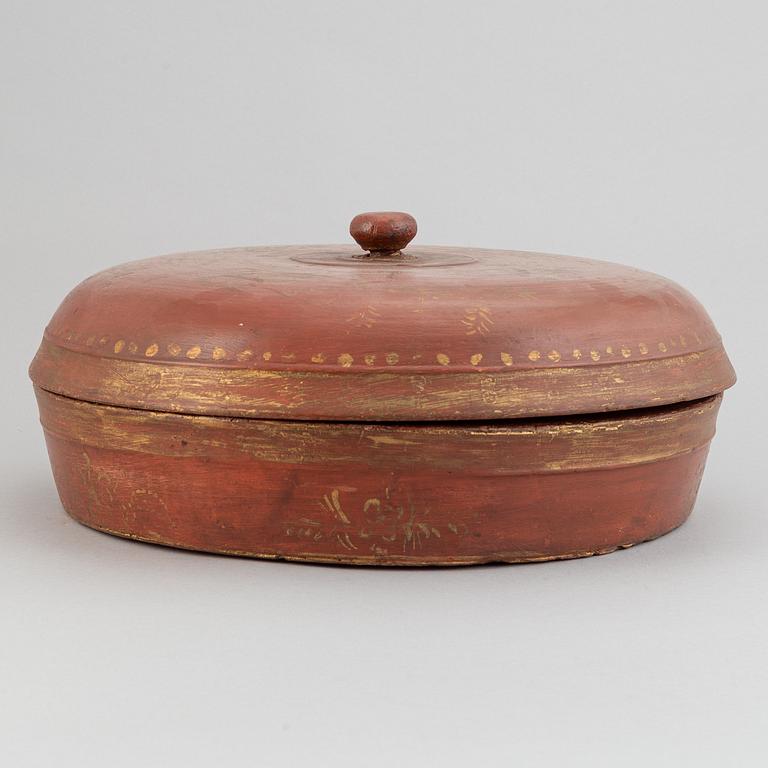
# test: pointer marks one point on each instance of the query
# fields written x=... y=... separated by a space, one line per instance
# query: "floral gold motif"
x=478 y=321
x=378 y=523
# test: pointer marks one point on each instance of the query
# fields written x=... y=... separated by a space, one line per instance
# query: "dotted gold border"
x=127 y=348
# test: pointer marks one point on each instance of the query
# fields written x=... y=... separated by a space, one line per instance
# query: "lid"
x=380 y=334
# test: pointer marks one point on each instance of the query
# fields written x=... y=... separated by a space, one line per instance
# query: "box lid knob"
x=383 y=233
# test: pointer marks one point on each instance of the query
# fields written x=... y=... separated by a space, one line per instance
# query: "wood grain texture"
x=383 y=494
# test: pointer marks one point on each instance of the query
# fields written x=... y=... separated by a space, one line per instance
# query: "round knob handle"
x=384 y=233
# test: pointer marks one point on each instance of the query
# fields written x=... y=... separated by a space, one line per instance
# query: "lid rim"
x=381 y=396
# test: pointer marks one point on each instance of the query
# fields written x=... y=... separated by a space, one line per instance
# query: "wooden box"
x=384 y=406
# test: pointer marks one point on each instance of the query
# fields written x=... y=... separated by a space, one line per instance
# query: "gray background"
x=631 y=131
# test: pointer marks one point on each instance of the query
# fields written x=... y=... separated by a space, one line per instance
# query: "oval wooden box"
x=496 y=407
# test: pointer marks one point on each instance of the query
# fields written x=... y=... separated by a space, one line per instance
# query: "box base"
x=374 y=494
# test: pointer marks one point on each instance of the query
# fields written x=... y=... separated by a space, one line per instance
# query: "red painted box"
x=383 y=406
